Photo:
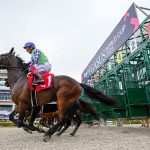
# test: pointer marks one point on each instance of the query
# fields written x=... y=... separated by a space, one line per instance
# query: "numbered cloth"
x=48 y=78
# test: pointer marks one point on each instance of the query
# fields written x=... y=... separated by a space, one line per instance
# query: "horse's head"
x=6 y=59
x=10 y=60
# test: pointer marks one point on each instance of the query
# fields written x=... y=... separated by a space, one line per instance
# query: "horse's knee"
x=11 y=118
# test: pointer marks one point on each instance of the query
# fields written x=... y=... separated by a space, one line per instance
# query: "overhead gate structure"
x=125 y=75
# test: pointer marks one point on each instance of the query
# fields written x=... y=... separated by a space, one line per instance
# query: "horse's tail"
x=98 y=95
x=86 y=107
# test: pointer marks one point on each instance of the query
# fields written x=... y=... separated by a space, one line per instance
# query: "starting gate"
x=126 y=77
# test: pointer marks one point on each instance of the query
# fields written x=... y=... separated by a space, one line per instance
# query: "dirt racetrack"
x=87 y=138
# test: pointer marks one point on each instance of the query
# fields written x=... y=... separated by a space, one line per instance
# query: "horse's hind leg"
x=69 y=114
x=78 y=120
x=63 y=109
x=65 y=98
x=59 y=129
x=52 y=130
x=67 y=124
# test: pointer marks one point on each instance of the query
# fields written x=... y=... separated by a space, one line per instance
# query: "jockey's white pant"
x=43 y=68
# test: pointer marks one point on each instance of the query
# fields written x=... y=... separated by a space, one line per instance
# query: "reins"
x=8 y=67
x=20 y=75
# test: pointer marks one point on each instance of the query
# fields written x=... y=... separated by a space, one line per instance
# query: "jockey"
x=39 y=62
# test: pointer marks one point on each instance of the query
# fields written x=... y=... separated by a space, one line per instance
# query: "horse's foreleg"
x=35 y=111
x=11 y=116
x=18 y=122
x=22 y=108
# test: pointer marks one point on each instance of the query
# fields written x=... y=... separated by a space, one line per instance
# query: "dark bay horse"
x=66 y=91
x=74 y=114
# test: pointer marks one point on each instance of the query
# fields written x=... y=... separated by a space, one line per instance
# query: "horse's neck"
x=14 y=75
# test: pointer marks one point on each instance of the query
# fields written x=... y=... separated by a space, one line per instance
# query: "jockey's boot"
x=39 y=79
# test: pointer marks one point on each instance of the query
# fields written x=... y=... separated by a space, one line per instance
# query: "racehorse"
x=66 y=91
x=74 y=114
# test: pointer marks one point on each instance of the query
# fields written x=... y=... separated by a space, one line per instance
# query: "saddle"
x=48 y=78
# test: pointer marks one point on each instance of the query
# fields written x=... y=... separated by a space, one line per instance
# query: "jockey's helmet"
x=29 y=44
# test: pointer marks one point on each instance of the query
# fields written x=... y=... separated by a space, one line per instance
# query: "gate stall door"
x=115 y=85
x=104 y=110
x=134 y=77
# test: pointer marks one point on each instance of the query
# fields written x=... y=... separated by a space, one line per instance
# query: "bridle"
x=13 y=68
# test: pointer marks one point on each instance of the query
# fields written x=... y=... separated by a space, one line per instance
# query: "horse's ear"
x=12 y=51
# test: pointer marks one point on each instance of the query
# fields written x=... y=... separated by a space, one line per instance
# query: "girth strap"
x=33 y=97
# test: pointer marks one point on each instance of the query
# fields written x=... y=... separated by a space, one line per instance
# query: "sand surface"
x=87 y=138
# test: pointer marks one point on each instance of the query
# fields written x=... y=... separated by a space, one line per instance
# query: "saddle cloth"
x=48 y=78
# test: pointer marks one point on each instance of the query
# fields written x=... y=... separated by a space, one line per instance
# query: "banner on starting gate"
x=126 y=27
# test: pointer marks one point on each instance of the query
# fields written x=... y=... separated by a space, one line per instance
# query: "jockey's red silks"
x=48 y=78
x=33 y=69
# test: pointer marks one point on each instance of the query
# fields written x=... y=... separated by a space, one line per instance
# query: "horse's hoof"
x=71 y=134
x=58 y=134
x=46 y=137
x=27 y=130
x=32 y=128
x=18 y=125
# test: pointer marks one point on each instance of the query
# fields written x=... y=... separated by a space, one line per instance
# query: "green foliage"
x=6 y=124
x=11 y=124
x=126 y=121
